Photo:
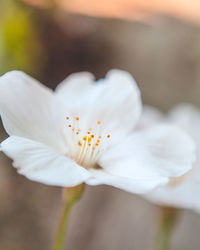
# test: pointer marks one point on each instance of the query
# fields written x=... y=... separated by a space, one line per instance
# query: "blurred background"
x=159 y=43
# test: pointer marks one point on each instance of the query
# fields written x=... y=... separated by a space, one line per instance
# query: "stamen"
x=85 y=145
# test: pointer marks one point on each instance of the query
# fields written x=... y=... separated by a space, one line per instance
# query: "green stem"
x=71 y=196
x=168 y=216
x=62 y=227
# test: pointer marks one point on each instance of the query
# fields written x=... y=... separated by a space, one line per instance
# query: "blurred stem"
x=71 y=196
x=167 y=221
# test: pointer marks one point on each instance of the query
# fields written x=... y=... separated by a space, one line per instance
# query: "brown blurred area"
x=163 y=54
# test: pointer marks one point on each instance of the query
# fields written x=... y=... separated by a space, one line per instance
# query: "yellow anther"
x=77 y=133
x=90 y=129
x=84 y=138
x=89 y=144
x=108 y=136
x=98 y=122
x=89 y=139
x=88 y=132
x=96 y=144
x=67 y=118
x=77 y=118
x=98 y=141
x=92 y=136
x=69 y=125
x=79 y=144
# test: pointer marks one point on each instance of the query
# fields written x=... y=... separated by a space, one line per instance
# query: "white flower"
x=83 y=132
x=181 y=192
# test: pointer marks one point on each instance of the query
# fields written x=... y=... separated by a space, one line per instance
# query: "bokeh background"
x=159 y=43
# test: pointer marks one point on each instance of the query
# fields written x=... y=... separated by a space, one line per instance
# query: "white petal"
x=114 y=100
x=75 y=86
x=122 y=99
x=41 y=163
x=127 y=183
x=187 y=117
x=27 y=109
x=148 y=158
x=186 y=193
x=183 y=195
x=150 y=116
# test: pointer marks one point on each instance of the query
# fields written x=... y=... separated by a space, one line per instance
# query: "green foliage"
x=19 y=44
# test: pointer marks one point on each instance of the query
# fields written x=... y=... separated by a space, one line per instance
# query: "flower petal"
x=148 y=158
x=183 y=195
x=27 y=109
x=40 y=163
x=75 y=86
x=187 y=116
x=115 y=100
x=128 y=183
x=150 y=116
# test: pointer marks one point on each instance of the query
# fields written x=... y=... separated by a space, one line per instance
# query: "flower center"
x=85 y=145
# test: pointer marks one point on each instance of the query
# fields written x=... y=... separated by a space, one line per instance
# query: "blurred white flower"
x=184 y=191
x=82 y=132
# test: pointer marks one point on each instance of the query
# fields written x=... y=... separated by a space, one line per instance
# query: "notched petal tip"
x=13 y=74
x=82 y=74
x=123 y=76
x=75 y=81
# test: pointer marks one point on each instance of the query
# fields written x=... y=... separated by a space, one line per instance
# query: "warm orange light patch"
x=128 y=9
